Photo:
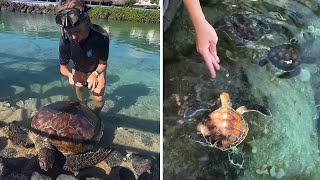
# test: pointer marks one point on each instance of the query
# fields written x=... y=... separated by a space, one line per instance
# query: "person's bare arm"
x=206 y=36
x=65 y=71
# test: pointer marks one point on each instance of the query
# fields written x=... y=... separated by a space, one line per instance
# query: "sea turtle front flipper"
x=18 y=135
x=263 y=62
x=235 y=157
x=288 y=75
x=254 y=107
x=199 y=110
x=75 y=162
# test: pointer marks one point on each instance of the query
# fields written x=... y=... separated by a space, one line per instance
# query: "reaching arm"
x=206 y=36
x=65 y=71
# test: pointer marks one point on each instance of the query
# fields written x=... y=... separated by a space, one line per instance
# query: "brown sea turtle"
x=225 y=128
x=254 y=30
x=287 y=58
x=65 y=126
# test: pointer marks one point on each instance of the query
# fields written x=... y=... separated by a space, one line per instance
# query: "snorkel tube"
x=63 y=34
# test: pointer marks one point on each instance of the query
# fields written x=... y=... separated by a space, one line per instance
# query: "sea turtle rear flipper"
x=289 y=74
x=76 y=162
x=235 y=157
x=19 y=135
x=254 y=107
x=263 y=62
x=200 y=110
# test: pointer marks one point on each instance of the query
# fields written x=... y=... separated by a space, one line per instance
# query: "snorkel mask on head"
x=70 y=17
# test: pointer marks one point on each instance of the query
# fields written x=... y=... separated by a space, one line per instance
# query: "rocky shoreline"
x=100 y=12
x=27 y=8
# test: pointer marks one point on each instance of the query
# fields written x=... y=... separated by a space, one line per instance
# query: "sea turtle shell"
x=287 y=58
x=242 y=28
x=69 y=126
x=229 y=128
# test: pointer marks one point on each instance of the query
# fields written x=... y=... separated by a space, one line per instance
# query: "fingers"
x=212 y=62
x=92 y=85
x=213 y=51
x=208 y=60
x=78 y=84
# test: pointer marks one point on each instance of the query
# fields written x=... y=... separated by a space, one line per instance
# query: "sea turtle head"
x=225 y=99
x=46 y=158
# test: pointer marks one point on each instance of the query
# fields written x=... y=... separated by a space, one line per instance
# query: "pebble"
x=273 y=171
x=254 y=149
x=203 y=158
x=305 y=75
x=280 y=173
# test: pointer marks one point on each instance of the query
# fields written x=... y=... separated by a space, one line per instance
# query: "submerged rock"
x=37 y=176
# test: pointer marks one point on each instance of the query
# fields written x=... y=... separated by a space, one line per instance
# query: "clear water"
x=30 y=76
x=285 y=146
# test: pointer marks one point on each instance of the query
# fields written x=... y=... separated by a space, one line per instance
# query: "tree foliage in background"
x=125 y=14
x=154 y=1
x=129 y=3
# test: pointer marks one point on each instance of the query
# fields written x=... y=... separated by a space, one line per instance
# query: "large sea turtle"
x=225 y=128
x=286 y=57
x=254 y=30
x=65 y=126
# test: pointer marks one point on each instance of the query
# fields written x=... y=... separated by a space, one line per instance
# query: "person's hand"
x=92 y=81
x=206 y=40
x=71 y=81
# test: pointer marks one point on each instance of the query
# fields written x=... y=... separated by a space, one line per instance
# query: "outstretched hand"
x=206 y=40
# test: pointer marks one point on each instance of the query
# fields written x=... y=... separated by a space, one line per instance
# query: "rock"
x=280 y=174
x=15 y=116
x=262 y=171
x=254 y=149
x=93 y=178
x=204 y=158
x=5 y=113
x=8 y=153
x=15 y=176
x=145 y=140
x=66 y=177
x=37 y=176
x=114 y=159
x=141 y=164
x=3 y=170
x=272 y=171
x=305 y=75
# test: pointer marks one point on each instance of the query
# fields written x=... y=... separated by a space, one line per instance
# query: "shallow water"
x=284 y=146
x=30 y=76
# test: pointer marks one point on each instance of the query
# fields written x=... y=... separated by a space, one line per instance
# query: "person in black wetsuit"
x=87 y=45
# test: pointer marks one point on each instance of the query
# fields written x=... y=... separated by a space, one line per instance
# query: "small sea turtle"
x=225 y=127
x=286 y=57
x=66 y=126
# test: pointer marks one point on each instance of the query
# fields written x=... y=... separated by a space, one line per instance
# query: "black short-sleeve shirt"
x=87 y=55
